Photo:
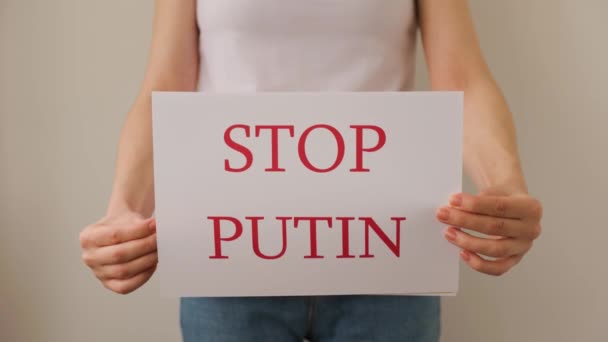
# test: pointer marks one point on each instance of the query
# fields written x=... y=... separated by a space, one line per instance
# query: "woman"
x=319 y=45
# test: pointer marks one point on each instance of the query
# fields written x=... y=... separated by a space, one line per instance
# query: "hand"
x=121 y=251
x=509 y=223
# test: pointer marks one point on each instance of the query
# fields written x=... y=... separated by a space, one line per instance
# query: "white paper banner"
x=305 y=193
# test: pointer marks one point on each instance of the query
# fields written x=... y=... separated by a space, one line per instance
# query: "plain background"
x=69 y=70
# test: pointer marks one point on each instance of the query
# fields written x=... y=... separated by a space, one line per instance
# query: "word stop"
x=227 y=229
x=274 y=130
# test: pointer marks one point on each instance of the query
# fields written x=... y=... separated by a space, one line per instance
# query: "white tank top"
x=306 y=45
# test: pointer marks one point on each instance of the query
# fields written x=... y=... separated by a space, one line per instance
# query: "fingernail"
x=456 y=200
x=443 y=214
x=450 y=234
x=465 y=255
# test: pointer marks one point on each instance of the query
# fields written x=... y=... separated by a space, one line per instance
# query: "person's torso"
x=312 y=45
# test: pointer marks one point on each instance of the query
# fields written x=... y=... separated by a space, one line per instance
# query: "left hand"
x=510 y=223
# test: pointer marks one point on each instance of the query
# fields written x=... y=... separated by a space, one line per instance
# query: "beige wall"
x=70 y=69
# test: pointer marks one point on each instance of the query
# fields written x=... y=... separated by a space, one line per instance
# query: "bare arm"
x=502 y=210
x=121 y=247
x=172 y=65
x=456 y=62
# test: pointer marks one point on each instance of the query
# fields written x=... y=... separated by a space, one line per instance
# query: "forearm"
x=133 y=188
x=172 y=66
x=456 y=62
x=489 y=146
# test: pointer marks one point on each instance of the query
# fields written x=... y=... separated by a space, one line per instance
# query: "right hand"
x=121 y=251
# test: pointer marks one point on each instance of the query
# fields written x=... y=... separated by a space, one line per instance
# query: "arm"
x=173 y=65
x=121 y=247
x=502 y=209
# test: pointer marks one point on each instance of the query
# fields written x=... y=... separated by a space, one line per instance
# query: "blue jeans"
x=317 y=319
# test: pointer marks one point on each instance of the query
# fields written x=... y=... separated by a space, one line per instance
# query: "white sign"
x=305 y=193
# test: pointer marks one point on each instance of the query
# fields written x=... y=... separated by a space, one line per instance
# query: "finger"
x=515 y=207
x=498 y=226
x=129 y=269
x=491 y=267
x=128 y=285
x=496 y=248
x=113 y=234
x=124 y=252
